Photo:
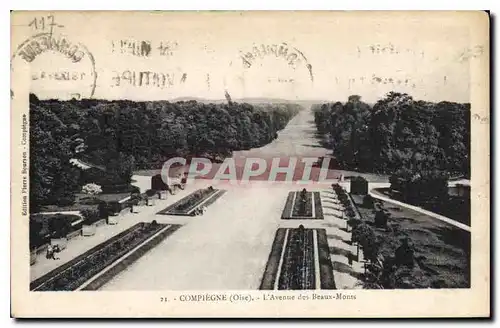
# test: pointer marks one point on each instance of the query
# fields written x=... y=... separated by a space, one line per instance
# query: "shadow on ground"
x=335 y=237
x=312 y=146
x=340 y=251
x=330 y=201
x=331 y=207
x=344 y=268
x=333 y=214
x=334 y=225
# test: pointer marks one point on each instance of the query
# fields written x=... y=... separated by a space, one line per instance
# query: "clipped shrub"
x=365 y=236
x=60 y=225
x=91 y=215
x=114 y=207
x=137 y=199
x=368 y=201
x=405 y=254
x=136 y=193
x=103 y=210
x=157 y=183
x=90 y=201
x=120 y=189
x=350 y=214
x=151 y=192
x=343 y=198
x=66 y=200
x=359 y=186
x=336 y=187
x=354 y=223
x=36 y=235
x=381 y=219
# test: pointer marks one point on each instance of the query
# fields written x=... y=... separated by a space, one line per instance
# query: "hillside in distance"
x=251 y=101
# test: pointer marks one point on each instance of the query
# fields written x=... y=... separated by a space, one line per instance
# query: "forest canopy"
x=419 y=144
x=398 y=133
x=122 y=136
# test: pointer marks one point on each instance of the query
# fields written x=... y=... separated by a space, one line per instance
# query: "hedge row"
x=44 y=227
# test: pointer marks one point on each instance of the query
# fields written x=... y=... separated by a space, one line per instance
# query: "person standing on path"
x=51 y=253
x=48 y=255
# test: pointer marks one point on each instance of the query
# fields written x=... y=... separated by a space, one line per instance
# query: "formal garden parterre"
x=299 y=260
x=75 y=273
x=302 y=205
x=191 y=203
x=403 y=248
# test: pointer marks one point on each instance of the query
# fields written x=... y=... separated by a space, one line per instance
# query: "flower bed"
x=318 y=208
x=325 y=262
x=287 y=210
x=214 y=198
x=311 y=208
x=297 y=270
x=76 y=272
x=269 y=277
x=302 y=205
x=123 y=264
x=188 y=204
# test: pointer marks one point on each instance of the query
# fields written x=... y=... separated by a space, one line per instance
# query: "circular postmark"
x=277 y=70
x=57 y=67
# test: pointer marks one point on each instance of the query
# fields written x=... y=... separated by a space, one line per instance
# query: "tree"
x=60 y=225
x=365 y=236
x=36 y=239
x=381 y=219
x=368 y=201
x=404 y=255
x=92 y=189
x=117 y=137
x=421 y=187
x=53 y=180
x=397 y=132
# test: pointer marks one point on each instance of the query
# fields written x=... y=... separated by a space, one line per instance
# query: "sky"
x=291 y=55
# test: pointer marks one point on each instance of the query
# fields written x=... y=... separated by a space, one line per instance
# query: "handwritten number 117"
x=40 y=23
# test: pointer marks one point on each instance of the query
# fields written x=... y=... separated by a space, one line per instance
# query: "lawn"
x=456 y=208
x=442 y=251
x=148 y=173
x=85 y=202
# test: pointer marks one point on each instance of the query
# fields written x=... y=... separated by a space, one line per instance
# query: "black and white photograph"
x=251 y=157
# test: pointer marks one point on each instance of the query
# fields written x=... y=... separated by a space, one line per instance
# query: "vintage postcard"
x=250 y=164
